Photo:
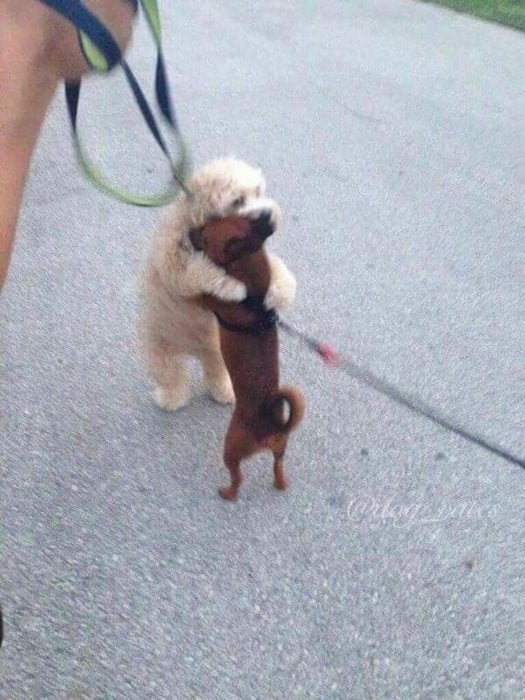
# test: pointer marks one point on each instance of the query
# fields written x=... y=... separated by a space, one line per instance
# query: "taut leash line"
x=365 y=376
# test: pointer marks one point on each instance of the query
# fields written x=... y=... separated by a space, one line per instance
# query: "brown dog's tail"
x=274 y=408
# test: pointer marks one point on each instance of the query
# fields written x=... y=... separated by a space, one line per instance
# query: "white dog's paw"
x=283 y=286
x=222 y=392
x=202 y=276
x=170 y=399
x=230 y=289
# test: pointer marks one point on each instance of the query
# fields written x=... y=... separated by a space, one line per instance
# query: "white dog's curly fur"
x=175 y=326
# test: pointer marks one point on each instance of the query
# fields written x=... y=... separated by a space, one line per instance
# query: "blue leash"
x=102 y=54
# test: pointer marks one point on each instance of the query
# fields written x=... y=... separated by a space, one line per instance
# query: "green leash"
x=102 y=53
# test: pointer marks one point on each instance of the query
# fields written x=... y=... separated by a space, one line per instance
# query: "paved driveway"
x=391 y=133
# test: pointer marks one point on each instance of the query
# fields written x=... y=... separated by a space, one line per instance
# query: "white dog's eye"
x=239 y=202
x=258 y=191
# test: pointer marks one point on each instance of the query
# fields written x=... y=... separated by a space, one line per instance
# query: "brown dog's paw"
x=282 y=484
x=228 y=493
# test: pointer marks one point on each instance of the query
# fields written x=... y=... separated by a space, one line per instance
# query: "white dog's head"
x=223 y=188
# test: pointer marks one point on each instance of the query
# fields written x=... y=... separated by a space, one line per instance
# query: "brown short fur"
x=258 y=422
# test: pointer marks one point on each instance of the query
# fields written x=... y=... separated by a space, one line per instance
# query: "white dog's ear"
x=196 y=238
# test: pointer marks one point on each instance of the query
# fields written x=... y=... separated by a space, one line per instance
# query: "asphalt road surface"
x=391 y=134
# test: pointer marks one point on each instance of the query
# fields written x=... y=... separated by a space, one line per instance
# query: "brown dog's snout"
x=263 y=226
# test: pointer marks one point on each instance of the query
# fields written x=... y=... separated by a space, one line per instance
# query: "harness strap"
x=265 y=320
x=102 y=54
x=258 y=327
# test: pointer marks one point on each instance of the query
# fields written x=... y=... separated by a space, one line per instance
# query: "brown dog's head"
x=226 y=240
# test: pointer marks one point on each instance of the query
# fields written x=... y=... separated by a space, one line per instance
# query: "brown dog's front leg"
x=230 y=493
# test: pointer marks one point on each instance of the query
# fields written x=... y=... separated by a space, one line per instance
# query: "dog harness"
x=265 y=319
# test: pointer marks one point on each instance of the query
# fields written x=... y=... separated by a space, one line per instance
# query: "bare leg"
x=217 y=378
x=27 y=85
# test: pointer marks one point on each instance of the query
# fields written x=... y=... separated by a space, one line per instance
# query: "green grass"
x=509 y=12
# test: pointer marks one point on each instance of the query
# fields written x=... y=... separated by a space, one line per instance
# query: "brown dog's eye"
x=235 y=248
x=239 y=202
x=196 y=238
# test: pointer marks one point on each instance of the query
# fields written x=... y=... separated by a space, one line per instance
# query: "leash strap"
x=389 y=390
x=102 y=54
x=265 y=320
x=258 y=327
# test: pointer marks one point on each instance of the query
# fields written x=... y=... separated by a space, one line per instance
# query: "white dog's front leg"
x=202 y=276
x=281 y=292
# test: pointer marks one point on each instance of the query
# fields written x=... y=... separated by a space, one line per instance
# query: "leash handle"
x=98 y=44
x=102 y=53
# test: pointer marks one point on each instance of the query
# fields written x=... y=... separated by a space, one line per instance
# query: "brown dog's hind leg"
x=280 y=480
x=230 y=493
x=238 y=445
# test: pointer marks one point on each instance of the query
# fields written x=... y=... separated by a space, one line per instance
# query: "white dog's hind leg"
x=281 y=292
x=216 y=377
x=170 y=373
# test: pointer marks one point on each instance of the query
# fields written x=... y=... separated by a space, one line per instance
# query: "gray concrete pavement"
x=394 y=566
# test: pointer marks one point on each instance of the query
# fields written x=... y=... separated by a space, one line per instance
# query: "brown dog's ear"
x=196 y=238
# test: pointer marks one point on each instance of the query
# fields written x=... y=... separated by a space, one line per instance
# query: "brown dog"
x=250 y=347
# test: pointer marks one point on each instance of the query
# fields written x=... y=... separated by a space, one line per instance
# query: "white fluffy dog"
x=175 y=325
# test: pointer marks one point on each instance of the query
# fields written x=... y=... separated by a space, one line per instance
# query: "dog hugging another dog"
x=212 y=291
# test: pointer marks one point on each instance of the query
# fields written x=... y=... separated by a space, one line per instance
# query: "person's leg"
x=27 y=84
x=37 y=49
